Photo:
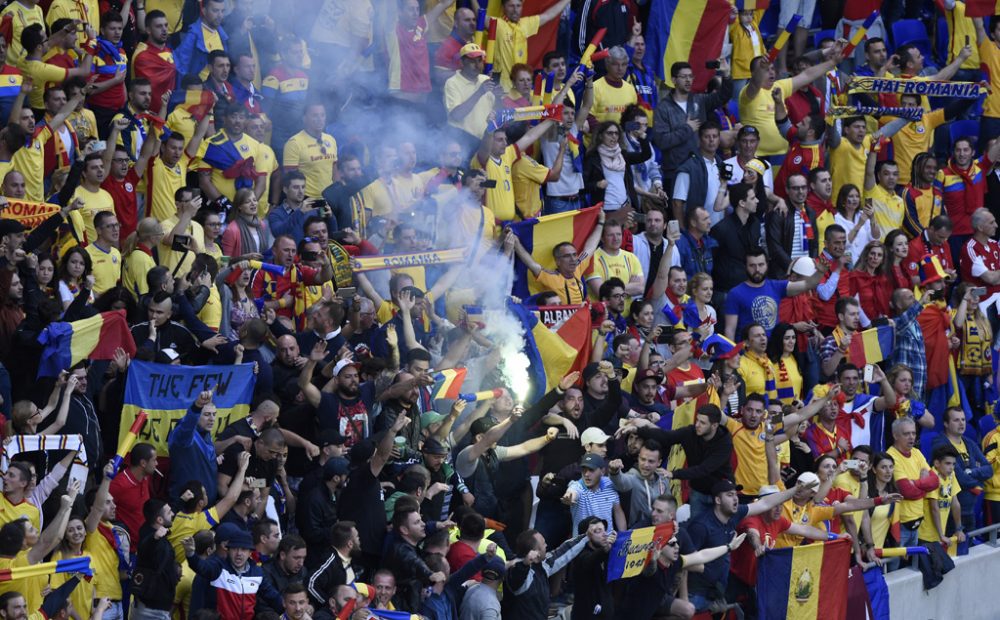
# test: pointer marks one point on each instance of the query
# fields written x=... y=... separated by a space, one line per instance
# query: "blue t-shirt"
x=707 y=531
x=756 y=304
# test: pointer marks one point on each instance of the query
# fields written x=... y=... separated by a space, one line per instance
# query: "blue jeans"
x=555 y=204
x=908 y=537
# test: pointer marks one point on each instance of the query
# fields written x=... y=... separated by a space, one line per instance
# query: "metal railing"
x=991 y=530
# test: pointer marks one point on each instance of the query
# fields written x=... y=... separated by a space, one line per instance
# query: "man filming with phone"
x=290 y=216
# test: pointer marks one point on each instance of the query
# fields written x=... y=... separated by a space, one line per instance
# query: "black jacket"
x=403 y=559
x=280 y=580
x=708 y=461
x=156 y=572
x=327 y=577
x=593 y=173
x=735 y=239
x=780 y=236
x=315 y=517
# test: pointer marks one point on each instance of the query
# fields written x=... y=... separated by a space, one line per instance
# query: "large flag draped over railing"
x=686 y=30
x=804 y=583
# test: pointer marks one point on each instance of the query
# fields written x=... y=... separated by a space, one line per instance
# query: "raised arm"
x=312 y=393
x=531 y=446
x=53 y=534
x=235 y=486
x=384 y=450
x=815 y=406
x=552 y=12
x=524 y=256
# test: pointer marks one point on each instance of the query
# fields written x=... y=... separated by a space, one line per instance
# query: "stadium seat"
x=959 y=129
x=912 y=31
x=941 y=40
x=769 y=22
x=823 y=34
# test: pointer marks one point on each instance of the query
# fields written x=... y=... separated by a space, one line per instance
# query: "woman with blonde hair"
x=140 y=255
x=869 y=281
x=857 y=220
x=700 y=289
x=901 y=379
x=246 y=233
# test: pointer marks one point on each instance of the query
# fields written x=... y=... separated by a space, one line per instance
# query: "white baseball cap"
x=593 y=435
x=804 y=266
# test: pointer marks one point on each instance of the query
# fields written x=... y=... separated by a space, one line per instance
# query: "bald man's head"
x=14 y=185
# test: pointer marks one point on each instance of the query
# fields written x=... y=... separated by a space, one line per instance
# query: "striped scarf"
x=770 y=383
x=39 y=443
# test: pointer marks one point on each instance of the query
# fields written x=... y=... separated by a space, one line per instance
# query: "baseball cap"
x=433 y=446
x=590 y=370
x=767 y=489
x=225 y=532
x=747 y=130
x=494 y=570
x=644 y=374
x=241 y=540
x=808 y=478
x=593 y=435
x=10 y=227
x=724 y=486
x=472 y=51
x=430 y=417
x=803 y=266
x=342 y=364
x=757 y=166
x=592 y=461
x=336 y=466
x=330 y=437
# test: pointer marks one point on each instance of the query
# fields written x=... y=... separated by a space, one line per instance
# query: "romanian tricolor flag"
x=198 y=103
x=386 y=614
x=96 y=338
x=551 y=356
x=859 y=34
x=72 y=565
x=783 y=37
x=539 y=237
x=675 y=26
x=447 y=383
x=752 y=5
x=633 y=549
x=125 y=446
x=806 y=582
x=982 y=8
x=871 y=346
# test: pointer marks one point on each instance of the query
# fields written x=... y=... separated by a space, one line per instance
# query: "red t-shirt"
x=459 y=554
x=126 y=206
x=130 y=496
x=975 y=257
x=448 y=55
x=744 y=561
x=413 y=61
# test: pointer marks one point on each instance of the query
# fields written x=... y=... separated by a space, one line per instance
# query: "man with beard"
x=401 y=399
x=153 y=59
x=134 y=135
x=435 y=455
x=861 y=418
x=756 y=299
x=341 y=567
x=593 y=592
x=343 y=405
x=155 y=578
x=318 y=510
x=645 y=389
x=797 y=222
x=612 y=295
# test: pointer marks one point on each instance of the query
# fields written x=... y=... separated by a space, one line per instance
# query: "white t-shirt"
x=615 y=194
x=569 y=182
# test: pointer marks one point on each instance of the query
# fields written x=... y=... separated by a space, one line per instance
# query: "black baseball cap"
x=724 y=486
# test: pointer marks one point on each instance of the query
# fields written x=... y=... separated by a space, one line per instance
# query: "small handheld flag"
x=268 y=267
x=550 y=81
x=73 y=565
x=783 y=38
x=447 y=383
x=484 y=395
x=586 y=59
x=126 y=444
x=898 y=552
x=536 y=92
x=859 y=34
